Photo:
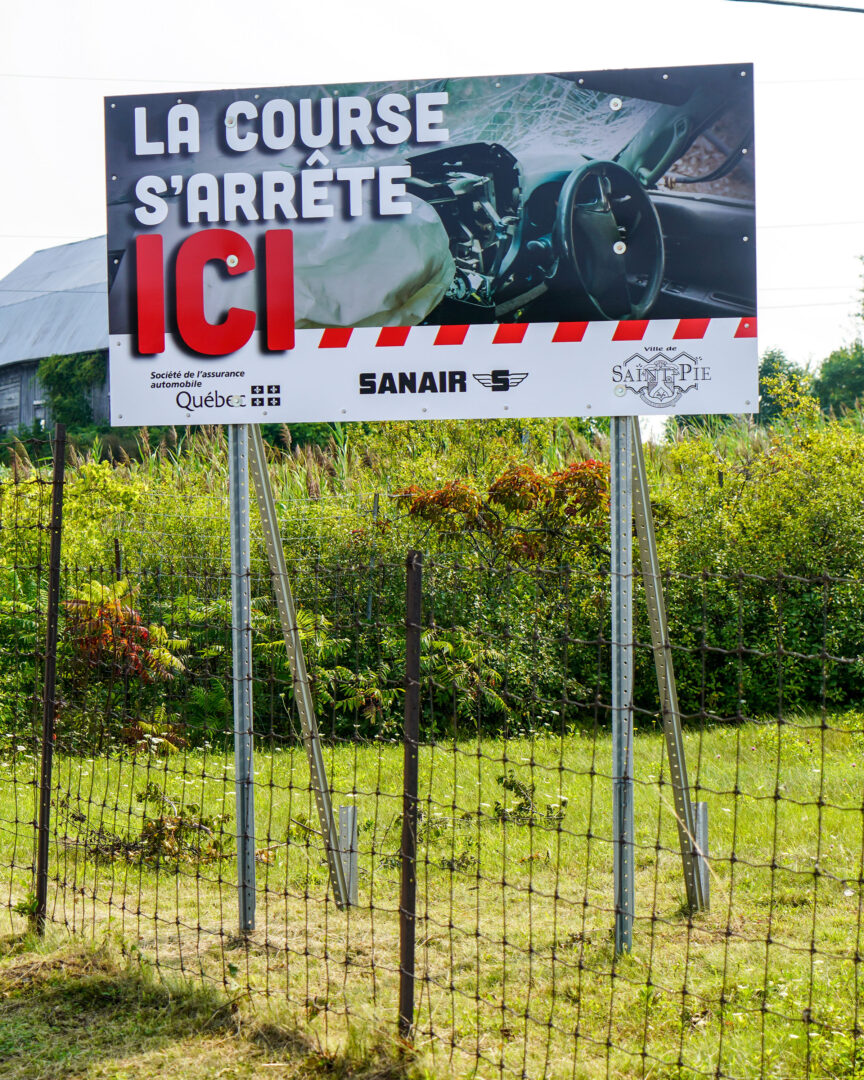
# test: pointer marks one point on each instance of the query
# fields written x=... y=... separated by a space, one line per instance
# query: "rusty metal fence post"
x=49 y=693
x=411 y=736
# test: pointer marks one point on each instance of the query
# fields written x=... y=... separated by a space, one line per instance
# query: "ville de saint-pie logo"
x=661 y=380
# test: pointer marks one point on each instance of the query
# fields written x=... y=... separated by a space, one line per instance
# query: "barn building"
x=53 y=304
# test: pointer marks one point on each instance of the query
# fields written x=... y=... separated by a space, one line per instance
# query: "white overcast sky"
x=59 y=58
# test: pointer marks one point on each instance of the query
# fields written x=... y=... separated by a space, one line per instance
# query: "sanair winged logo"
x=660 y=380
x=501 y=379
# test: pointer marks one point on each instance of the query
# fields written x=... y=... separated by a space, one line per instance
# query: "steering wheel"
x=607 y=231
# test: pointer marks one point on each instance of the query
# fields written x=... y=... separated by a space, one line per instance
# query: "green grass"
x=69 y=1009
x=516 y=968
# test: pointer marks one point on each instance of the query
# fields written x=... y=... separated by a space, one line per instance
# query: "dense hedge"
x=761 y=535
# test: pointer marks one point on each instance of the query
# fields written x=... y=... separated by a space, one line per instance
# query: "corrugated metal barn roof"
x=55 y=302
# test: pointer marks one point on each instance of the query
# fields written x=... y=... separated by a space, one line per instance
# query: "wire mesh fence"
x=514 y=965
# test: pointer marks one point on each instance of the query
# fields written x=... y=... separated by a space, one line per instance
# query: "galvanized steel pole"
x=241 y=640
x=621 y=445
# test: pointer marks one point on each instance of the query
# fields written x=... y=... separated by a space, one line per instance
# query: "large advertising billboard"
x=523 y=245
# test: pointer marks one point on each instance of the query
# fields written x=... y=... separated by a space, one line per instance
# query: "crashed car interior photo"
x=529 y=198
x=631 y=197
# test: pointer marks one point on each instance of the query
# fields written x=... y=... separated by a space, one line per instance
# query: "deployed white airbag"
x=368 y=272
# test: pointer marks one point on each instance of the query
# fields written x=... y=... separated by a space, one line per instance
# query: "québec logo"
x=272 y=397
x=661 y=380
x=501 y=379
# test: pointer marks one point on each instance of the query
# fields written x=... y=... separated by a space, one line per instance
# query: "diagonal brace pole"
x=294 y=648
x=684 y=812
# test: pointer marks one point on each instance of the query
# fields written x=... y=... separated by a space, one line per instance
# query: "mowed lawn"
x=515 y=963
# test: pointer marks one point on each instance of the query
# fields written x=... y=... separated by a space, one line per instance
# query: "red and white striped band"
x=514 y=333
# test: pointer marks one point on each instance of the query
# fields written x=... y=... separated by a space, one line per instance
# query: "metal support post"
x=701 y=815
x=241 y=640
x=411 y=737
x=665 y=674
x=294 y=648
x=49 y=694
x=621 y=444
x=348 y=843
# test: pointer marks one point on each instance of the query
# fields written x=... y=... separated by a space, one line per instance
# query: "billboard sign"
x=523 y=245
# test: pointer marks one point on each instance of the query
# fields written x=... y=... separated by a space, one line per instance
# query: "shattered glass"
x=532 y=115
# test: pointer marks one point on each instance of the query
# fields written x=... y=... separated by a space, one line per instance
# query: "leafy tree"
x=109 y=636
x=777 y=370
x=524 y=515
x=840 y=383
x=67 y=381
